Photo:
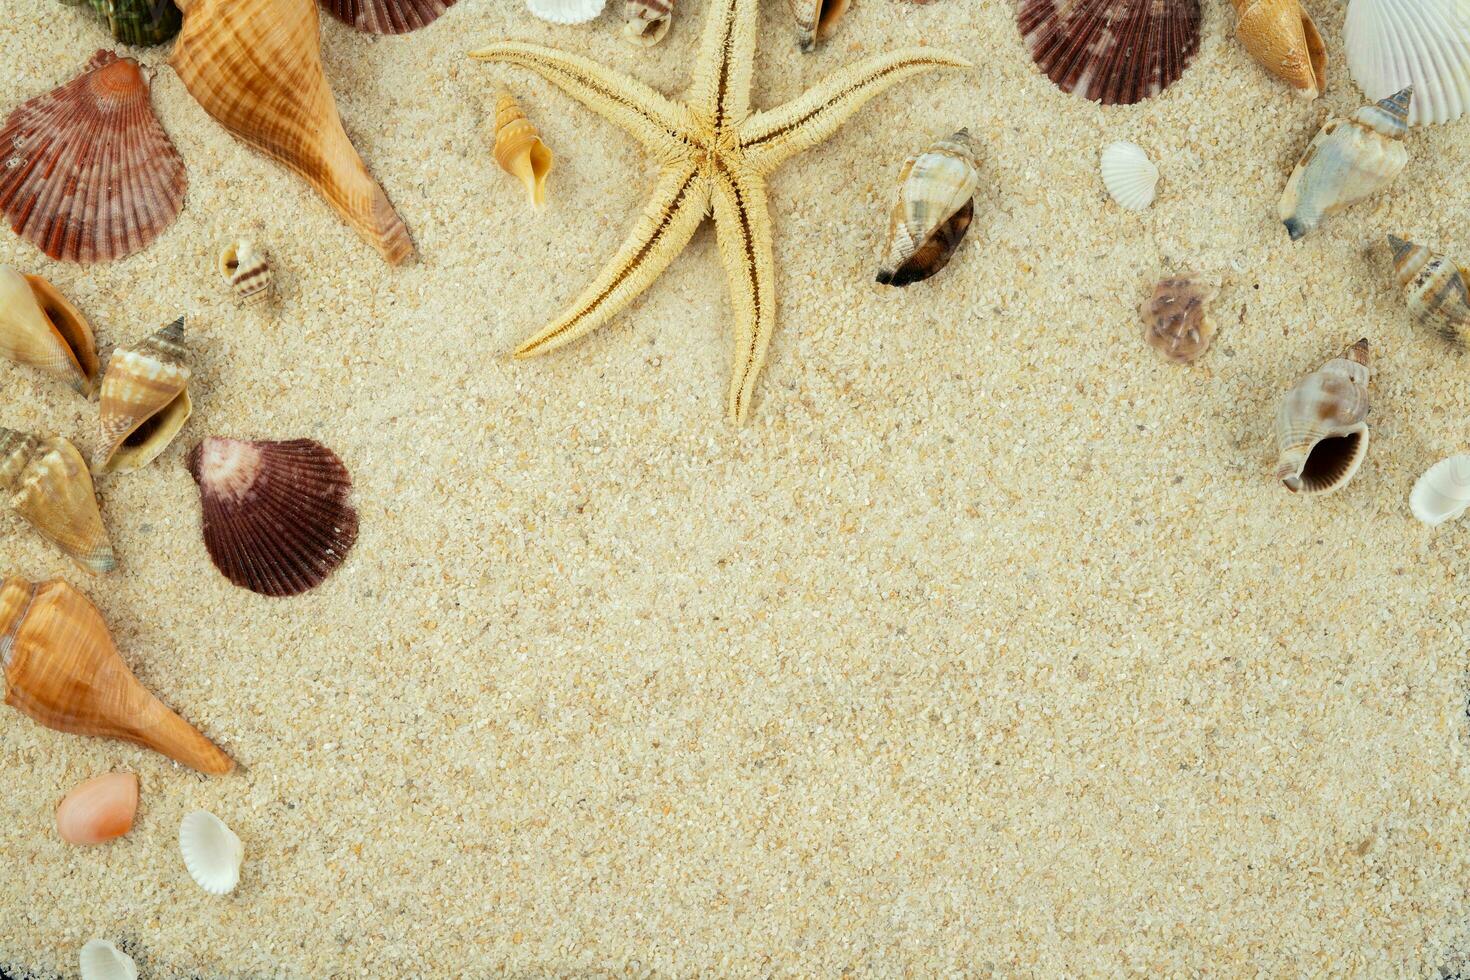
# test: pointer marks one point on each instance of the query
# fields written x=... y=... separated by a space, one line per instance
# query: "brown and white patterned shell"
x=1321 y=426
x=276 y=516
x=39 y=328
x=1176 y=318
x=935 y=206
x=645 y=22
x=247 y=268
x=1116 y=52
x=816 y=20
x=387 y=16
x=46 y=482
x=518 y=148
x=145 y=400
x=86 y=171
x=1437 y=289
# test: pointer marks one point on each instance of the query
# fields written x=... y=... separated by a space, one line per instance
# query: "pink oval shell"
x=101 y=809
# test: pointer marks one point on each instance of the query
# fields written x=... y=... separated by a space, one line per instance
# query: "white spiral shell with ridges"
x=1129 y=175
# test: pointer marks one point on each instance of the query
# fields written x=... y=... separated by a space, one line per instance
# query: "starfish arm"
x=679 y=203
x=720 y=95
x=743 y=225
x=772 y=137
x=653 y=119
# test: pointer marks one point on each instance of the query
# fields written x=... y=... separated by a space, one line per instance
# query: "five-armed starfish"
x=713 y=154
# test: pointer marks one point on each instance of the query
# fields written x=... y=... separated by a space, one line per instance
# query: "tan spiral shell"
x=1321 y=426
x=933 y=211
x=1437 y=289
x=645 y=22
x=1280 y=35
x=519 y=150
x=247 y=268
x=145 y=400
x=39 y=328
x=46 y=482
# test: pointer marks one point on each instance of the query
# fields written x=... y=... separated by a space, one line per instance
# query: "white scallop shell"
x=1423 y=43
x=566 y=11
x=100 y=960
x=1443 y=492
x=212 y=852
x=1129 y=175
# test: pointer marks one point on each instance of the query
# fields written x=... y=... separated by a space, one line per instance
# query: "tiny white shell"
x=566 y=11
x=1443 y=492
x=212 y=852
x=1391 y=44
x=1129 y=175
x=100 y=960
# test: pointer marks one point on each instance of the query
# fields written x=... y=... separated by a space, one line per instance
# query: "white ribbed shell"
x=1443 y=492
x=212 y=852
x=1424 y=43
x=100 y=960
x=1129 y=175
x=566 y=11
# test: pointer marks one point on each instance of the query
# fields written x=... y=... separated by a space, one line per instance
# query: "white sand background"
x=989 y=645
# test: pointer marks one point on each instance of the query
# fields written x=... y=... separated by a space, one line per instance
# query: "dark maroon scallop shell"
x=86 y=171
x=276 y=517
x=387 y=16
x=1116 y=52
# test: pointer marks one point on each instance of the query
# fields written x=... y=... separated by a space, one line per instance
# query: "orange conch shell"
x=256 y=66
x=62 y=669
x=1282 y=38
x=519 y=150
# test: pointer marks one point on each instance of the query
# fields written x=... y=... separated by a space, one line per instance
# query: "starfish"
x=714 y=154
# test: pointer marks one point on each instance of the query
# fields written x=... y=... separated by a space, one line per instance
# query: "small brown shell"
x=816 y=20
x=645 y=22
x=387 y=16
x=1176 y=318
x=247 y=268
x=86 y=171
x=1116 y=52
x=276 y=516
x=145 y=401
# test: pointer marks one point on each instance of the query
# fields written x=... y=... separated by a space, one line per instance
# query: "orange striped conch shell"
x=519 y=150
x=1282 y=38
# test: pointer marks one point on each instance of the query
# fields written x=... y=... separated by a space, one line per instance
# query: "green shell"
x=137 y=22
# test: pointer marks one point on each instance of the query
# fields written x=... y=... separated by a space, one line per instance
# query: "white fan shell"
x=1129 y=175
x=100 y=960
x=1423 y=43
x=1443 y=492
x=212 y=852
x=566 y=11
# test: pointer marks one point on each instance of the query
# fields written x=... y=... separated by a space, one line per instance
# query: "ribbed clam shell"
x=256 y=67
x=145 y=400
x=101 y=960
x=247 y=268
x=39 y=328
x=46 y=482
x=518 y=148
x=212 y=853
x=1129 y=175
x=387 y=16
x=138 y=22
x=1348 y=161
x=934 y=208
x=816 y=20
x=1281 y=37
x=566 y=11
x=1116 y=52
x=1443 y=492
x=100 y=809
x=1425 y=44
x=86 y=171
x=276 y=516
x=1437 y=289
x=1176 y=318
x=1321 y=425
x=645 y=22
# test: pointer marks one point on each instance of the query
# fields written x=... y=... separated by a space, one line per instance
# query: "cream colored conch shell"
x=46 y=482
x=39 y=328
x=1348 y=161
x=145 y=401
x=247 y=268
x=1321 y=426
x=101 y=960
x=212 y=852
x=935 y=206
x=1129 y=175
x=519 y=150
x=1438 y=290
x=1443 y=492
x=256 y=67
x=1282 y=38
x=816 y=20
x=645 y=22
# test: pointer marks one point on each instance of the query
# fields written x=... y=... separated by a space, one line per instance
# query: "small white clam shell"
x=212 y=852
x=1129 y=175
x=1423 y=43
x=100 y=960
x=566 y=11
x=1443 y=492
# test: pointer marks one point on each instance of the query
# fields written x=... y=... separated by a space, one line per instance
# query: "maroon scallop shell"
x=1116 y=52
x=86 y=171
x=387 y=16
x=276 y=516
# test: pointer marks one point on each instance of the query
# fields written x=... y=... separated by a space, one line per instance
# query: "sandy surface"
x=989 y=645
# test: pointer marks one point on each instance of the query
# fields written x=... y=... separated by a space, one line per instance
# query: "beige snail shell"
x=935 y=206
x=1321 y=426
x=519 y=150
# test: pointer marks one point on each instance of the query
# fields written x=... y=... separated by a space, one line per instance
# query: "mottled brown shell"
x=1116 y=52
x=1176 y=318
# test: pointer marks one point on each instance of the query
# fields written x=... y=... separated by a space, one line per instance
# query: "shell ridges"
x=1425 y=44
x=1116 y=52
x=212 y=852
x=1129 y=175
x=387 y=16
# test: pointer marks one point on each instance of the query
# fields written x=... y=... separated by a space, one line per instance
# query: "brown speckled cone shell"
x=62 y=670
x=276 y=516
x=1116 y=52
x=86 y=171
x=46 y=482
x=387 y=16
x=255 y=65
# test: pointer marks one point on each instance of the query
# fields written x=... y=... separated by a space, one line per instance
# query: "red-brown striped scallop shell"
x=387 y=16
x=276 y=516
x=1116 y=52
x=86 y=171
